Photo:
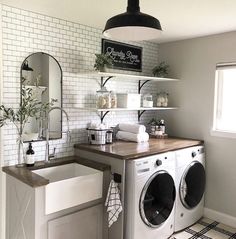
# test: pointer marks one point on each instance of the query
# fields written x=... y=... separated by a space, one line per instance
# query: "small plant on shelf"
x=161 y=70
x=102 y=61
x=154 y=122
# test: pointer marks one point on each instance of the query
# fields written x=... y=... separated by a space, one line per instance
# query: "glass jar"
x=103 y=99
x=147 y=101
x=113 y=100
x=162 y=99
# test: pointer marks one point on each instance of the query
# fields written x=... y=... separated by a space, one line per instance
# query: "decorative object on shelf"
x=104 y=99
x=128 y=100
x=29 y=107
x=161 y=70
x=162 y=99
x=113 y=100
x=147 y=101
x=102 y=61
x=132 y=25
x=124 y=56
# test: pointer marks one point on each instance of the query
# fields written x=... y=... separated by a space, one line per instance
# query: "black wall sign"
x=125 y=56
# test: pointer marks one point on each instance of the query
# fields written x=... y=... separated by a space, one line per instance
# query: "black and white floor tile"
x=206 y=229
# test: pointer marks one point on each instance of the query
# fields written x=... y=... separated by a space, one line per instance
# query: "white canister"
x=147 y=101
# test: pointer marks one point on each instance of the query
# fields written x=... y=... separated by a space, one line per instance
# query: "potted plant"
x=154 y=125
x=102 y=61
x=29 y=107
x=161 y=70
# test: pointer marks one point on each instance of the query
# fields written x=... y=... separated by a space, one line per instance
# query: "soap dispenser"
x=30 y=156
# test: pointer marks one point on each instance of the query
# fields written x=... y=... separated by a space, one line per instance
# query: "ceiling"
x=180 y=19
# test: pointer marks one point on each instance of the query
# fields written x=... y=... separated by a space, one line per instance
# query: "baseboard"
x=220 y=217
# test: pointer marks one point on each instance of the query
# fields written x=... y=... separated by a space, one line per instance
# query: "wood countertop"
x=27 y=175
x=131 y=150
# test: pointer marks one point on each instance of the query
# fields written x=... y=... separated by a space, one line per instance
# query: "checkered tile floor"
x=206 y=229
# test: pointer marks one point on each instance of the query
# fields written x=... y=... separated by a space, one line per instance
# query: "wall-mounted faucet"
x=47 y=156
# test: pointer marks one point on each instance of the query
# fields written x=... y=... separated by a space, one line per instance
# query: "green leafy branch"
x=29 y=107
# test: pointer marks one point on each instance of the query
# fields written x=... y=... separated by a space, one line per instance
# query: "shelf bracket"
x=103 y=81
x=140 y=112
x=140 y=85
x=103 y=115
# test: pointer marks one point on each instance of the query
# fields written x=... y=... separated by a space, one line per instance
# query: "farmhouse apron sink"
x=70 y=185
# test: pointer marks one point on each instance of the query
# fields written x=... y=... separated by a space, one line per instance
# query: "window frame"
x=218 y=96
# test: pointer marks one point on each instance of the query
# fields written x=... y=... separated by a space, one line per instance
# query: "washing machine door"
x=157 y=199
x=192 y=185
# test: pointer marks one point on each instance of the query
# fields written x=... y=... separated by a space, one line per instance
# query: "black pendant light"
x=132 y=25
x=26 y=67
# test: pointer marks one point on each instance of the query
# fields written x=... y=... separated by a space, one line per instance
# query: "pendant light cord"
x=133 y=6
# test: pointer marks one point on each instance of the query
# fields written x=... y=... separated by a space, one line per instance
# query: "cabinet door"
x=85 y=224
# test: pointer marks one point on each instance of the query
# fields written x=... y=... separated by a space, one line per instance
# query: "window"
x=224 y=122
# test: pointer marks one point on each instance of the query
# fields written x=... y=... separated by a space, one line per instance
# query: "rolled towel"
x=127 y=136
x=132 y=128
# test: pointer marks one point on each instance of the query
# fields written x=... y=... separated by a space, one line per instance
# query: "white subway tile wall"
x=74 y=46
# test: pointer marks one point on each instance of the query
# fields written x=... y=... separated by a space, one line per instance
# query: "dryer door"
x=157 y=199
x=192 y=185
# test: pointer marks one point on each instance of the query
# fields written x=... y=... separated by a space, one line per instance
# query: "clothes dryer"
x=190 y=183
x=150 y=197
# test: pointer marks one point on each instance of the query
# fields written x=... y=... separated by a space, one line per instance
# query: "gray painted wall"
x=194 y=61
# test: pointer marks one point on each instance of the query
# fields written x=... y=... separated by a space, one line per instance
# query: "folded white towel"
x=132 y=128
x=113 y=203
x=127 y=136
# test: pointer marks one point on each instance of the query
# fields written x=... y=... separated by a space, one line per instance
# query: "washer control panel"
x=197 y=151
x=183 y=156
x=159 y=161
x=194 y=154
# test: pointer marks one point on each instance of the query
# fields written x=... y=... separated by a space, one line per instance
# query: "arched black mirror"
x=41 y=75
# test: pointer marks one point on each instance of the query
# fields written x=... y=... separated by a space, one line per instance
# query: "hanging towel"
x=132 y=128
x=127 y=136
x=113 y=203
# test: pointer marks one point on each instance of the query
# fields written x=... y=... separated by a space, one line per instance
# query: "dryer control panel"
x=183 y=156
x=159 y=161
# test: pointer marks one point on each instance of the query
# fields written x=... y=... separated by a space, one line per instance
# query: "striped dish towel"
x=113 y=203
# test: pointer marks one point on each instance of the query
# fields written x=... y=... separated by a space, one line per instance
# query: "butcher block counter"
x=131 y=150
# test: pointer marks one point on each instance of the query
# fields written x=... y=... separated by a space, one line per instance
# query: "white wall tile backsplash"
x=74 y=46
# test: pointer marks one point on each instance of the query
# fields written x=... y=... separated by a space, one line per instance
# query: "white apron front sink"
x=70 y=185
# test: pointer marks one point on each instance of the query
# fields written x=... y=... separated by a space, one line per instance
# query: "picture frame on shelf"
x=124 y=56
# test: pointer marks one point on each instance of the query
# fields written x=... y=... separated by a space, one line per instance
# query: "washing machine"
x=190 y=183
x=150 y=197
